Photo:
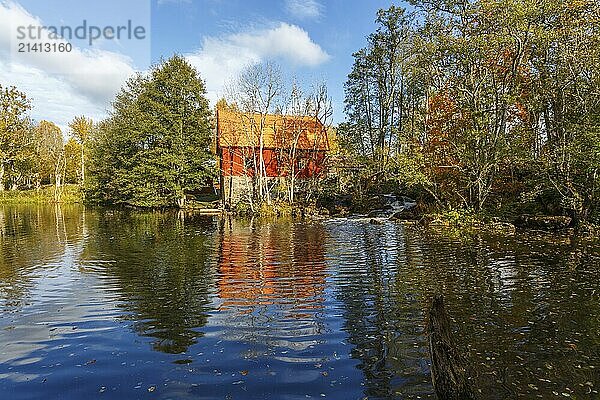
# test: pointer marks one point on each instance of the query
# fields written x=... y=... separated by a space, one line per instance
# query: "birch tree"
x=258 y=91
x=81 y=128
x=51 y=153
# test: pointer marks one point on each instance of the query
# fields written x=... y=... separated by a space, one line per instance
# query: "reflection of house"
x=270 y=282
x=267 y=145
x=285 y=266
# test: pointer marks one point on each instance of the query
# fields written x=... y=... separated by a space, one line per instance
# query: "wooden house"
x=269 y=146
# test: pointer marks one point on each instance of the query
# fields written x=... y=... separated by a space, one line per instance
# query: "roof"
x=236 y=129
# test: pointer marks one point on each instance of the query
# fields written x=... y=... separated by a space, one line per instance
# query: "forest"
x=485 y=105
x=488 y=107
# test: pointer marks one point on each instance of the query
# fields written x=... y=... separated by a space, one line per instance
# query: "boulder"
x=406 y=215
x=543 y=222
x=501 y=227
x=376 y=213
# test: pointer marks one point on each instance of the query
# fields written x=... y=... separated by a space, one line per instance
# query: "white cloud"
x=286 y=41
x=222 y=58
x=62 y=85
x=52 y=98
x=304 y=9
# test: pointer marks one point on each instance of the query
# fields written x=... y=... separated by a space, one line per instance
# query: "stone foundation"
x=236 y=189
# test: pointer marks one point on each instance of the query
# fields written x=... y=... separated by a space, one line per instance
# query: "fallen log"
x=449 y=372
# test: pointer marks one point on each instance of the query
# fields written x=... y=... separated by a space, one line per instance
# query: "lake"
x=116 y=304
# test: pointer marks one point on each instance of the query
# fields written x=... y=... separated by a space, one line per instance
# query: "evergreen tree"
x=155 y=147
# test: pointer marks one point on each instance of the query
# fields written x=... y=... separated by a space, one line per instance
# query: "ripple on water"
x=127 y=305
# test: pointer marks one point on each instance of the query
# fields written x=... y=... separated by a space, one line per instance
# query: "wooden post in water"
x=448 y=367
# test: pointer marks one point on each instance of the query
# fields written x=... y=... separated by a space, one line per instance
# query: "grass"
x=70 y=194
x=455 y=218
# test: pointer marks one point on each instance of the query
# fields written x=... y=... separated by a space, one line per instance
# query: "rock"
x=339 y=212
x=389 y=205
x=375 y=213
x=375 y=203
x=395 y=216
x=407 y=202
x=408 y=223
x=375 y=221
x=406 y=215
x=501 y=227
x=544 y=222
x=336 y=205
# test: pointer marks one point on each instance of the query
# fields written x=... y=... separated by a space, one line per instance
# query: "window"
x=282 y=163
x=248 y=164
x=302 y=164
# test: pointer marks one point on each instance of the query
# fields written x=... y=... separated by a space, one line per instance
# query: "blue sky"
x=311 y=40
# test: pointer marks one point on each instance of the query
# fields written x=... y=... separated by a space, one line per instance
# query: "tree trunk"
x=293 y=173
x=448 y=367
x=57 y=184
x=82 y=165
x=58 y=174
x=2 y=176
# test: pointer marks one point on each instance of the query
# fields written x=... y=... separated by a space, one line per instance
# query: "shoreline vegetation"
x=485 y=115
x=69 y=194
x=453 y=222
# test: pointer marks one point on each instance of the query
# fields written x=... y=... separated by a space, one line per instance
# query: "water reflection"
x=161 y=265
x=271 y=288
x=381 y=307
x=522 y=311
x=262 y=264
x=125 y=303
x=31 y=236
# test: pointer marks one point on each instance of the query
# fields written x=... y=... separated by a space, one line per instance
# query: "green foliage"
x=15 y=136
x=30 y=156
x=81 y=129
x=73 y=151
x=455 y=218
x=482 y=103
x=155 y=147
x=70 y=194
x=49 y=152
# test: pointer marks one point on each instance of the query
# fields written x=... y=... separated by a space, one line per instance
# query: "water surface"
x=113 y=304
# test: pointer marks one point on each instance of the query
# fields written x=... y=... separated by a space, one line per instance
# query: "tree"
x=81 y=128
x=73 y=161
x=379 y=91
x=155 y=147
x=258 y=90
x=15 y=130
x=316 y=105
x=51 y=154
x=563 y=107
x=490 y=101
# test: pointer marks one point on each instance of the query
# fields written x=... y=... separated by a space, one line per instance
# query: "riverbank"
x=506 y=219
x=455 y=220
x=70 y=194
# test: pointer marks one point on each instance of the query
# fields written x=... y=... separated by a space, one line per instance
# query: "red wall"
x=232 y=162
